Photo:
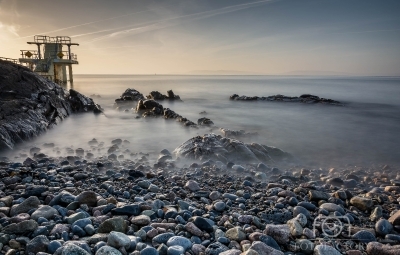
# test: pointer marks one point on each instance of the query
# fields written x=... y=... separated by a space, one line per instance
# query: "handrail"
x=29 y=54
x=15 y=61
x=49 y=39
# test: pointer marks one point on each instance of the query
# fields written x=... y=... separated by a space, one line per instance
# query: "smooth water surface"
x=364 y=131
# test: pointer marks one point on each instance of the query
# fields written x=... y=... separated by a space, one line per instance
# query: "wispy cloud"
x=85 y=24
x=177 y=20
x=369 y=31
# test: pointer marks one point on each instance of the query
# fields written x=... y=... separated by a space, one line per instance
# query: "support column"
x=71 y=79
x=64 y=73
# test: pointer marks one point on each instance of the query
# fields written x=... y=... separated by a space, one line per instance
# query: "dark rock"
x=211 y=146
x=133 y=209
x=36 y=104
x=202 y=224
x=38 y=244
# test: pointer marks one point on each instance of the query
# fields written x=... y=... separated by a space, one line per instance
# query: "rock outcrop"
x=129 y=98
x=155 y=95
x=31 y=104
x=212 y=146
x=306 y=98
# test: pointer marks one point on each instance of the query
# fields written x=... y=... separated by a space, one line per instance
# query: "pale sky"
x=356 y=37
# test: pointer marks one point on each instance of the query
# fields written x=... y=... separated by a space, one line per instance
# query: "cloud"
x=176 y=20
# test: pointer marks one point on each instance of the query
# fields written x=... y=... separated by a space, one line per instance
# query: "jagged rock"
x=155 y=95
x=204 y=122
x=212 y=146
x=31 y=104
x=236 y=133
x=129 y=97
x=306 y=98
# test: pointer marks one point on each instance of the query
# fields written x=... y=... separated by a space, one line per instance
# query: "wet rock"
x=38 y=244
x=306 y=98
x=192 y=185
x=202 y=224
x=180 y=241
x=383 y=227
x=325 y=250
x=362 y=203
x=107 y=250
x=21 y=228
x=375 y=248
x=44 y=211
x=264 y=249
x=395 y=218
x=211 y=146
x=114 y=224
x=87 y=197
x=204 y=122
x=27 y=205
x=281 y=233
x=364 y=236
x=236 y=234
x=118 y=240
x=72 y=249
x=216 y=248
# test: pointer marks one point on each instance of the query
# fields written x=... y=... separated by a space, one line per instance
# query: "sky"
x=274 y=37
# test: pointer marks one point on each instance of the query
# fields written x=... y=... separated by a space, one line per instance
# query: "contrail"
x=369 y=31
x=85 y=24
x=195 y=16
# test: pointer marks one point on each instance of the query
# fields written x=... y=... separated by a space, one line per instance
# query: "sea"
x=363 y=132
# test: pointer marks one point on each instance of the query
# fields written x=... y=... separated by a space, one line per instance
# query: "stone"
x=180 y=241
x=202 y=224
x=133 y=209
x=216 y=248
x=325 y=250
x=38 y=244
x=53 y=246
x=231 y=252
x=362 y=203
x=72 y=249
x=395 y=218
x=214 y=195
x=24 y=207
x=118 y=240
x=316 y=195
x=114 y=224
x=193 y=229
x=383 y=227
x=264 y=249
x=24 y=227
x=76 y=216
x=107 y=250
x=364 y=236
x=376 y=214
x=198 y=249
x=296 y=229
x=219 y=206
x=281 y=233
x=175 y=250
x=44 y=211
x=375 y=248
x=163 y=238
x=331 y=207
x=192 y=185
x=141 y=220
x=148 y=251
x=87 y=197
x=236 y=234
x=305 y=246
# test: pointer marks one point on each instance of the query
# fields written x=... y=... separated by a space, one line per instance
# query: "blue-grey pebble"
x=149 y=251
x=175 y=250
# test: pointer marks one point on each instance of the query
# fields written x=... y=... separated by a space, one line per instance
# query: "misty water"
x=365 y=131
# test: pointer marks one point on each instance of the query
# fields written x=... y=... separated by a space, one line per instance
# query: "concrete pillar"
x=71 y=78
x=64 y=73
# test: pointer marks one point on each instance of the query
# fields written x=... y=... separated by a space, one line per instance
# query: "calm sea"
x=365 y=131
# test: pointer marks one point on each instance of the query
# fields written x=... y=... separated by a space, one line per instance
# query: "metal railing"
x=55 y=39
x=29 y=54
x=63 y=55
x=33 y=54
x=15 y=61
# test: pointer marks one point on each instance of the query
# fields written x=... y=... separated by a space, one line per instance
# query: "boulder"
x=212 y=146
